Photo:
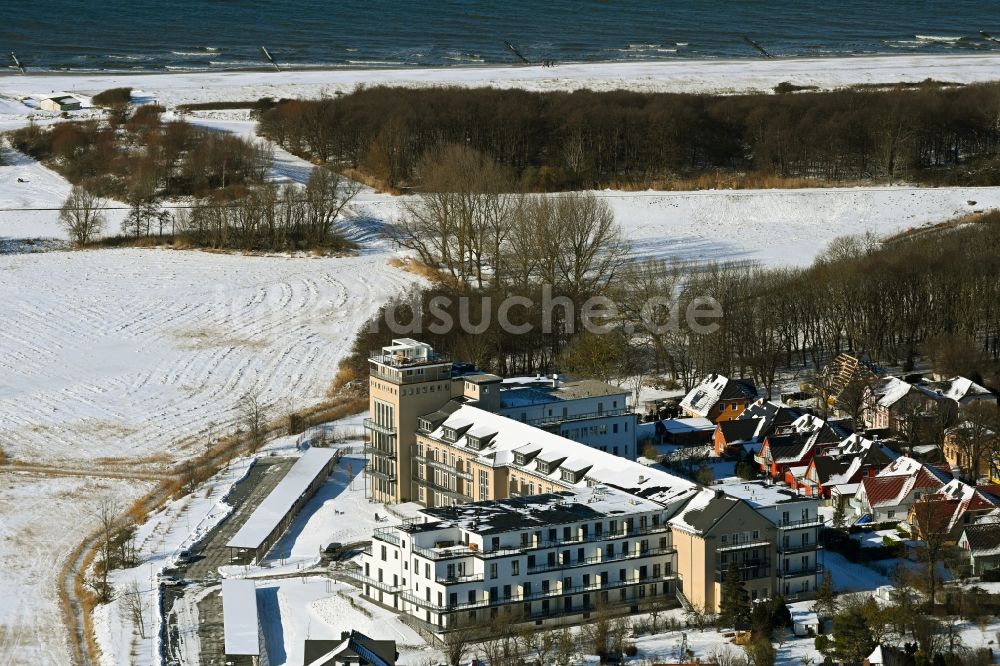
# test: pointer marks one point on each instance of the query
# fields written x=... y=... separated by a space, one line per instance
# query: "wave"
x=937 y=38
x=193 y=54
x=390 y=63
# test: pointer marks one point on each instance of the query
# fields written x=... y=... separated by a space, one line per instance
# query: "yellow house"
x=713 y=531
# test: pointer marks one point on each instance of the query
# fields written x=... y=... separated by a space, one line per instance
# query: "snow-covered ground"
x=128 y=357
x=40 y=524
x=672 y=76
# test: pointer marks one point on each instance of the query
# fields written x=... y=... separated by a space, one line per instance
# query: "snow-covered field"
x=42 y=519
x=128 y=357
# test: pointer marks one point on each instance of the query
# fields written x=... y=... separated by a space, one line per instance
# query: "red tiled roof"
x=883 y=489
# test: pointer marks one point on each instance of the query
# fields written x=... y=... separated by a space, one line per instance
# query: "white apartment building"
x=797 y=541
x=585 y=411
x=550 y=558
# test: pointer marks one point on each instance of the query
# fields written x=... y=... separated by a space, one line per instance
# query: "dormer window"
x=424 y=425
x=473 y=442
x=542 y=466
x=450 y=434
x=519 y=459
x=570 y=476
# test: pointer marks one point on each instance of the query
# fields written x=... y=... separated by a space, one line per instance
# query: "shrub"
x=112 y=98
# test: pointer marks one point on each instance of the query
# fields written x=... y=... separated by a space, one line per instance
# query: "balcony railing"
x=815 y=521
x=799 y=548
x=380 y=475
x=535 y=596
x=631 y=555
x=365 y=580
x=452 y=580
x=370 y=424
x=381 y=451
x=403 y=361
x=431 y=485
x=740 y=546
x=551 y=420
x=443 y=466
x=811 y=570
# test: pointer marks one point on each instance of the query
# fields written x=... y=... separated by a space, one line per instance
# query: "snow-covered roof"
x=239 y=617
x=694 y=424
x=760 y=494
x=549 y=509
x=605 y=468
x=715 y=387
x=277 y=504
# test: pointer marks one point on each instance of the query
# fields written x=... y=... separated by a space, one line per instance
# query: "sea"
x=177 y=35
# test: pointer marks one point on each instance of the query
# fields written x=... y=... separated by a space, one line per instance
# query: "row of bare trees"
x=269 y=217
x=584 y=139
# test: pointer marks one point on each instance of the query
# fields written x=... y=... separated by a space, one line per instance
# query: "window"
x=756 y=535
x=515 y=568
x=614 y=428
x=383 y=553
x=493 y=570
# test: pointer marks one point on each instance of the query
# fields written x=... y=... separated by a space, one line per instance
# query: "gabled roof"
x=901 y=477
x=514 y=436
x=739 y=430
x=714 y=388
x=983 y=538
x=353 y=646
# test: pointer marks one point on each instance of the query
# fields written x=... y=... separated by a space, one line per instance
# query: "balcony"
x=741 y=546
x=454 y=580
x=631 y=555
x=556 y=420
x=799 y=548
x=761 y=566
x=370 y=424
x=438 y=464
x=450 y=492
x=536 y=596
x=356 y=574
x=816 y=521
x=381 y=451
x=403 y=361
x=386 y=476
x=811 y=570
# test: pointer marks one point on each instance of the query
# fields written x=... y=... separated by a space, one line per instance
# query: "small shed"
x=241 y=626
x=61 y=103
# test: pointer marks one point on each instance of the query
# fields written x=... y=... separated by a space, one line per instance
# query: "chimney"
x=555 y=380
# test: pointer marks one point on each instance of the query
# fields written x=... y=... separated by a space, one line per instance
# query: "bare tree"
x=107 y=519
x=133 y=606
x=82 y=215
x=253 y=420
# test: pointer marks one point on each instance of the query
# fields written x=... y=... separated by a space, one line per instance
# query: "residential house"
x=951 y=508
x=681 y=432
x=758 y=420
x=844 y=379
x=888 y=496
x=798 y=524
x=980 y=542
x=892 y=401
x=714 y=530
x=962 y=439
x=786 y=453
x=853 y=459
x=719 y=398
x=353 y=649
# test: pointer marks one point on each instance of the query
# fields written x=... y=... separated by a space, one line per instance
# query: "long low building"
x=269 y=520
x=241 y=625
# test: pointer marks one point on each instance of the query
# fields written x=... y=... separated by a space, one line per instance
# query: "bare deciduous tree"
x=82 y=215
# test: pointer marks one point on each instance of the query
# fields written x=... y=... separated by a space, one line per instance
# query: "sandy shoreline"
x=706 y=76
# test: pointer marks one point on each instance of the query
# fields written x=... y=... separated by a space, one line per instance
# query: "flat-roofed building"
x=550 y=558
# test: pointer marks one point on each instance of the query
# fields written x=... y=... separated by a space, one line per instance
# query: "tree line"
x=928 y=293
x=932 y=133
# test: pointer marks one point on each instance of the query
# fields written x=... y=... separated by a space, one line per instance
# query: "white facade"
x=554 y=556
x=798 y=521
x=589 y=412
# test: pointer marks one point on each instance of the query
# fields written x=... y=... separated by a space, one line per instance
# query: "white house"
x=60 y=103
